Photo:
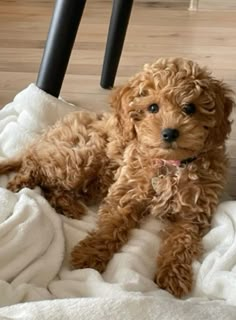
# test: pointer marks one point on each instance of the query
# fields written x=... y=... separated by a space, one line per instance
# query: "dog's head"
x=174 y=107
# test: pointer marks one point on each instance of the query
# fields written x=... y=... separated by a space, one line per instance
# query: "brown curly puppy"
x=161 y=152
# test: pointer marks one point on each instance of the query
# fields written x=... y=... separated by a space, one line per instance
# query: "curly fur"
x=115 y=157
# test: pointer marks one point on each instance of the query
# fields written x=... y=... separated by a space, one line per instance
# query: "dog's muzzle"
x=169 y=134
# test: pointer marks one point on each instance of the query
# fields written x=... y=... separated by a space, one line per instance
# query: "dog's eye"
x=189 y=108
x=153 y=108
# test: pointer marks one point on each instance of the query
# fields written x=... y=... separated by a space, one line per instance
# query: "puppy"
x=161 y=152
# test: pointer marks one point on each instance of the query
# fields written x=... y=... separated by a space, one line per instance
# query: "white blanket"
x=35 y=243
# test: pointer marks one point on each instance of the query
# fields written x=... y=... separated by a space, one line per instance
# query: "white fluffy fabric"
x=35 y=243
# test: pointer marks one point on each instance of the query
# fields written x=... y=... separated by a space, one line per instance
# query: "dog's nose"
x=169 y=135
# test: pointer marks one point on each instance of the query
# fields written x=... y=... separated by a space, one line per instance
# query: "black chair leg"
x=117 y=30
x=63 y=29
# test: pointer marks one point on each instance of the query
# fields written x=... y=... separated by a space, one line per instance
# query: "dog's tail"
x=9 y=165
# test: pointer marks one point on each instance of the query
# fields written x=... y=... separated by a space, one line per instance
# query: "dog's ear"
x=224 y=104
x=120 y=101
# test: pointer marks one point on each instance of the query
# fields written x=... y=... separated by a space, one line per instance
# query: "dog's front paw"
x=175 y=278
x=83 y=257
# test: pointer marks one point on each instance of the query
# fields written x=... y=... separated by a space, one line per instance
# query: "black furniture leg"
x=62 y=32
x=117 y=29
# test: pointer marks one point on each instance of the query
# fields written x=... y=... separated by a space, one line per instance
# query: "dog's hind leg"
x=65 y=202
x=9 y=165
x=22 y=180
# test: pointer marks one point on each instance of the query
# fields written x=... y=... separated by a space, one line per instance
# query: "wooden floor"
x=157 y=28
x=222 y=5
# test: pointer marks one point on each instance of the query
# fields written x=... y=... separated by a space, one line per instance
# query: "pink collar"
x=176 y=163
